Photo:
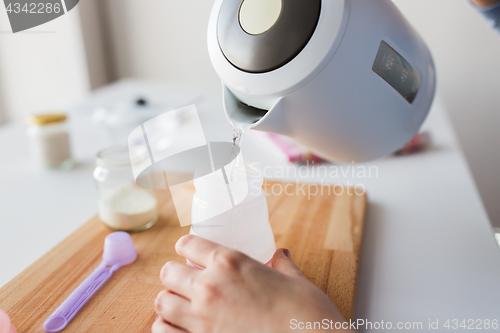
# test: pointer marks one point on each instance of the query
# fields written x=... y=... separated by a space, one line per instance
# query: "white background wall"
x=161 y=39
x=467 y=56
x=41 y=68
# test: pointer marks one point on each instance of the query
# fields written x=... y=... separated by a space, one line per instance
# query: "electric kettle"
x=350 y=79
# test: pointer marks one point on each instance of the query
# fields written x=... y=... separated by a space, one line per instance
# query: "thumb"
x=282 y=263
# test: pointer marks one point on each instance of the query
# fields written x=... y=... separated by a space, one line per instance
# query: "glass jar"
x=243 y=226
x=49 y=141
x=123 y=205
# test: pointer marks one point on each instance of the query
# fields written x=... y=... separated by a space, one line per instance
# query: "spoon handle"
x=71 y=305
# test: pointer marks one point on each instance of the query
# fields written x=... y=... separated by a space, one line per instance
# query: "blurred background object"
x=120 y=119
x=50 y=140
x=101 y=41
x=418 y=143
x=497 y=234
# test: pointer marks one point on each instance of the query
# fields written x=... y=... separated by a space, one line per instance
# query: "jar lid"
x=122 y=156
x=47 y=119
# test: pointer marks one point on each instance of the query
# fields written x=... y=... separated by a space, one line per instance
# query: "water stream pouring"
x=118 y=251
x=350 y=79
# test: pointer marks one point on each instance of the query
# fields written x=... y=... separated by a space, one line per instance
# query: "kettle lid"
x=258 y=36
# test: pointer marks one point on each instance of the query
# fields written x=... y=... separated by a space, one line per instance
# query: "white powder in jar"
x=127 y=208
x=51 y=150
x=49 y=140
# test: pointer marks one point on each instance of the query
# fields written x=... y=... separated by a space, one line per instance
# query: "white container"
x=122 y=205
x=245 y=227
x=350 y=79
x=49 y=141
x=120 y=119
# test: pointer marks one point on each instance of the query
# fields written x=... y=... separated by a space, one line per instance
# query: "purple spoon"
x=118 y=251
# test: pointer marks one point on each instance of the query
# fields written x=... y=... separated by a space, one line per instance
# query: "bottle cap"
x=47 y=119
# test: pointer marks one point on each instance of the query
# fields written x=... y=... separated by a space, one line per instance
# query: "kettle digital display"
x=396 y=71
x=350 y=79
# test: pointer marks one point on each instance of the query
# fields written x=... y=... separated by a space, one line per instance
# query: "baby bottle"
x=233 y=213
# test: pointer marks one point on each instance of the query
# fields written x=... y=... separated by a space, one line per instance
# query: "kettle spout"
x=247 y=113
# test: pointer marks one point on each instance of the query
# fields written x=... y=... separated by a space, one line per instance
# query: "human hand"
x=235 y=293
x=484 y=3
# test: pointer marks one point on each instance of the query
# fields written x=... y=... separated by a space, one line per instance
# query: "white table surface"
x=428 y=250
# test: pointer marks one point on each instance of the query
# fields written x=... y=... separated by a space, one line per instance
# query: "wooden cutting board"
x=322 y=231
